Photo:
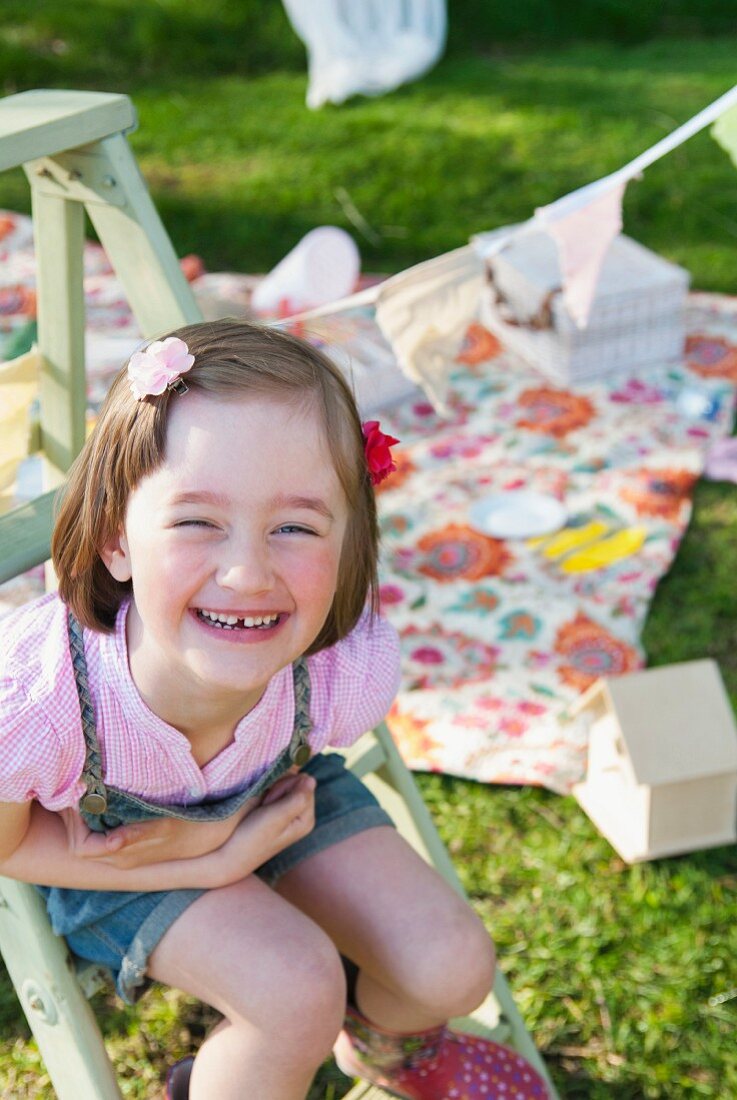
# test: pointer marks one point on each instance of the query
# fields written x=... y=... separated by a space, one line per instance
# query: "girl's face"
x=233 y=546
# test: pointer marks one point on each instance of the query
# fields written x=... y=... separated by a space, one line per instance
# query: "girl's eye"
x=194 y=523
x=294 y=528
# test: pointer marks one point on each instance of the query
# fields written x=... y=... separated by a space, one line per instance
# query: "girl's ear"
x=116 y=556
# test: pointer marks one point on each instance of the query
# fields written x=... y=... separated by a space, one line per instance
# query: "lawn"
x=626 y=975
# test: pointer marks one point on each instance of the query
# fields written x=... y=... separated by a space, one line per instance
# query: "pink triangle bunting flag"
x=583 y=238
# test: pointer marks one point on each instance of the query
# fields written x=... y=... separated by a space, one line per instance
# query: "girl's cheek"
x=181 y=551
x=327 y=555
x=317 y=568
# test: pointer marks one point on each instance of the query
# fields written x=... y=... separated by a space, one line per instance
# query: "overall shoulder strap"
x=94 y=801
x=299 y=748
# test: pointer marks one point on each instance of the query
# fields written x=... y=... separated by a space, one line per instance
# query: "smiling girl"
x=164 y=720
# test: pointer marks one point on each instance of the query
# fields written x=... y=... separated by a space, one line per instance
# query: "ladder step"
x=42 y=122
x=25 y=536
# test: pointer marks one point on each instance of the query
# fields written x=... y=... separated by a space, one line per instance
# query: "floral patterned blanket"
x=498 y=637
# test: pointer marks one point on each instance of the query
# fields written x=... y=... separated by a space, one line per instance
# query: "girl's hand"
x=287 y=816
x=154 y=841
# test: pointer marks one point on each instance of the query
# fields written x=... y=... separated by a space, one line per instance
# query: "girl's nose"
x=248 y=570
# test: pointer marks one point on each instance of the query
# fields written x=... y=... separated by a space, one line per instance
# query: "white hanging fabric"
x=366 y=47
x=423 y=313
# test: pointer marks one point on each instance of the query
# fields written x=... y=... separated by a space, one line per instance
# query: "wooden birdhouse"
x=662 y=764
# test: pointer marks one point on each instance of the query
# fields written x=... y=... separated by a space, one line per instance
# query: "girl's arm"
x=162 y=838
x=14 y=819
x=155 y=841
x=44 y=856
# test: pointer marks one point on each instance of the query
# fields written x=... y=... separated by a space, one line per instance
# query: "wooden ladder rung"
x=25 y=536
x=43 y=122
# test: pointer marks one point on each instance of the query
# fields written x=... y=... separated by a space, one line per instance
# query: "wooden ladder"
x=73 y=149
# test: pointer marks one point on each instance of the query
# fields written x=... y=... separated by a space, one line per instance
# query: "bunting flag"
x=583 y=237
x=724 y=131
x=584 y=222
x=423 y=311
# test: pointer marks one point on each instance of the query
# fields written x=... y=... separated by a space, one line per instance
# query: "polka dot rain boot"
x=438 y=1064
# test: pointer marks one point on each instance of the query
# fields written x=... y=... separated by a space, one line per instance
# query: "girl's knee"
x=479 y=965
x=459 y=970
x=305 y=1009
x=317 y=985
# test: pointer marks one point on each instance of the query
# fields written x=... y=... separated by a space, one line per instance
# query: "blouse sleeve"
x=354 y=682
x=33 y=762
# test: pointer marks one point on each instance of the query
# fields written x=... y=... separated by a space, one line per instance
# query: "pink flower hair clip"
x=159 y=367
x=376 y=445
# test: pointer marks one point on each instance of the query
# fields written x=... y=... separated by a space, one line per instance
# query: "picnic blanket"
x=498 y=636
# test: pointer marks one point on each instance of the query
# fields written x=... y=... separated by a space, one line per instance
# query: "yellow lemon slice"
x=574 y=537
x=606 y=552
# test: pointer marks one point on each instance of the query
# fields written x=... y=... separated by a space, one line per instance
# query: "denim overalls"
x=119 y=929
x=105 y=807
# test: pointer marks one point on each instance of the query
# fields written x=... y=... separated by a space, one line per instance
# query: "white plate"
x=517 y=514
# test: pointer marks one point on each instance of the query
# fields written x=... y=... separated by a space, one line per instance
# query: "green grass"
x=627 y=975
x=240 y=170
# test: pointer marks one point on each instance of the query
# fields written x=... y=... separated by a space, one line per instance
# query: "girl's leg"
x=276 y=978
x=423 y=954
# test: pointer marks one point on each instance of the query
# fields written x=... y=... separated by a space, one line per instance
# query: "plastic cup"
x=322 y=268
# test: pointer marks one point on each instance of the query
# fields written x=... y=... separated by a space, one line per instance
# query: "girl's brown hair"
x=236 y=359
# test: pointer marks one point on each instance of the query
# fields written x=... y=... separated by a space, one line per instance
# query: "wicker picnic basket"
x=637 y=317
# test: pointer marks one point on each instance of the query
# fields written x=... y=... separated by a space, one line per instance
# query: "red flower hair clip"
x=377 y=446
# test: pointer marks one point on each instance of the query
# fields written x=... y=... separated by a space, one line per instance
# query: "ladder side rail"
x=43 y=974
x=139 y=247
x=59 y=241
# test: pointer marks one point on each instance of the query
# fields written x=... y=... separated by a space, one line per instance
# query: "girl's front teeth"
x=229 y=622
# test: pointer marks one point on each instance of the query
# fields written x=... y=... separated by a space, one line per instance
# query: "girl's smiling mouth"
x=223 y=621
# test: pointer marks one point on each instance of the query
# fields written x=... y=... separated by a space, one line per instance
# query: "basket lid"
x=628 y=266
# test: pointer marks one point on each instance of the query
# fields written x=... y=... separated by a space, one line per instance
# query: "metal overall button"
x=94 y=803
x=301 y=754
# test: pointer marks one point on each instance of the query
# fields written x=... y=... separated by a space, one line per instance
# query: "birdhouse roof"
x=676 y=722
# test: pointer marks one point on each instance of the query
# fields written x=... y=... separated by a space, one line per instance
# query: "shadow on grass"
x=123 y=41
x=51 y=43
x=12 y=1021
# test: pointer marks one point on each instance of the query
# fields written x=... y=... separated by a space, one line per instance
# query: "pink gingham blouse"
x=41 y=744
